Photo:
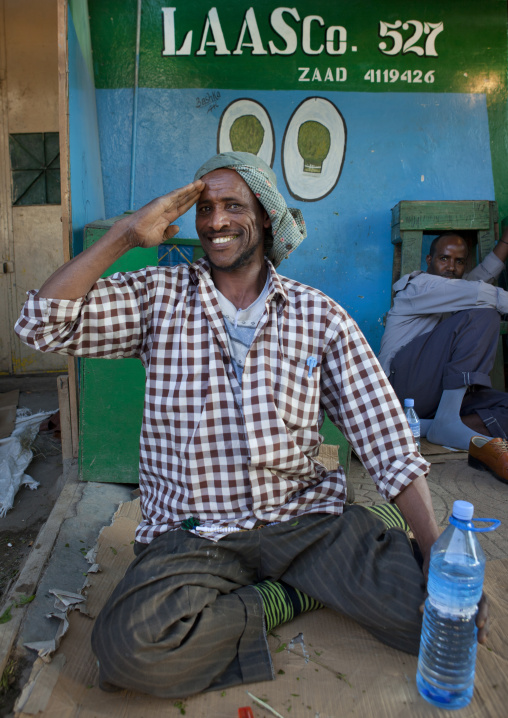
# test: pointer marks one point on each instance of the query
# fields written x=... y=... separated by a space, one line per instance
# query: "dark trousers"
x=460 y=351
x=185 y=618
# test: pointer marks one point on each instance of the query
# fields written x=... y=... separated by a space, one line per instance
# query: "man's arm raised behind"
x=147 y=227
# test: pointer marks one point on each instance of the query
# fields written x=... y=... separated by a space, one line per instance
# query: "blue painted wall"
x=408 y=146
x=85 y=163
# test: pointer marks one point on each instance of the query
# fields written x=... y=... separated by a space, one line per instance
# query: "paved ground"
x=57 y=560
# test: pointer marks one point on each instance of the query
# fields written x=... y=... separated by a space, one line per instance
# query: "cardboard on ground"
x=326 y=666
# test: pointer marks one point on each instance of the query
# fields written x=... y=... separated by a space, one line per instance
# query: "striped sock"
x=391 y=515
x=282 y=602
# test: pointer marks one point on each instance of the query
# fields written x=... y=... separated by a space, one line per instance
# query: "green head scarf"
x=287 y=224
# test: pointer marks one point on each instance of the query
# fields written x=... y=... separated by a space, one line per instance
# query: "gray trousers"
x=185 y=618
x=460 y=351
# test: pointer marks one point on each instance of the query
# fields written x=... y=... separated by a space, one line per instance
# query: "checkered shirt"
x=200 y=455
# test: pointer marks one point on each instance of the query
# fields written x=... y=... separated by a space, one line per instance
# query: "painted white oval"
x=308 y=186
x=239 y=108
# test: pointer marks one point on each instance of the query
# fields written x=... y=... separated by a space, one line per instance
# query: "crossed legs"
x=439 y=368
x=186 y=617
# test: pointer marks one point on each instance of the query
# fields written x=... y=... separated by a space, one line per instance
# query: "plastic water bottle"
x=446 y=662
x=413 y=420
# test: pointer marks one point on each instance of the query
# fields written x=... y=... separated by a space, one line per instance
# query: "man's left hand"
x=482 y=618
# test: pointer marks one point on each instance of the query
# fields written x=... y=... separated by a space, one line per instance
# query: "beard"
x=239 y=262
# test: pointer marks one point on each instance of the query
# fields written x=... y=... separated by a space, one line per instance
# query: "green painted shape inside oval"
x=313 y=145
x=246 y=134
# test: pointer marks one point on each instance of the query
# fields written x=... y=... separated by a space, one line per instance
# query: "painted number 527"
x=409 y=44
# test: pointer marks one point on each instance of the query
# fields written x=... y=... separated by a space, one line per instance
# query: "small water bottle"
x=446 y=662
x=413 y=420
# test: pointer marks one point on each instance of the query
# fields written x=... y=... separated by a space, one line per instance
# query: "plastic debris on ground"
x=16 y=454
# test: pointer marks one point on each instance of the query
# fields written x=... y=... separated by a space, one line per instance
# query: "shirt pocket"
x=298 y=393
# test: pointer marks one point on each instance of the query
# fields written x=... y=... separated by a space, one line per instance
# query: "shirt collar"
x=201 y=270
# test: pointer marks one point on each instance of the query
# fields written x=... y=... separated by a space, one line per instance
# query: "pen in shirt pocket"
x=311 y=363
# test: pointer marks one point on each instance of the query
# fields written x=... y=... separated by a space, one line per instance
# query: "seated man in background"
x=442 y=361
x=242 y=527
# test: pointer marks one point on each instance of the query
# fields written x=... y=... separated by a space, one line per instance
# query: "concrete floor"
x=45 y=536
x=91 y=508
x=19 y=528
x=82 y=509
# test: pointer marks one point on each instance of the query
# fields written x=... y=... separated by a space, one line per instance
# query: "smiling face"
x=230 y=221
x=449 y=258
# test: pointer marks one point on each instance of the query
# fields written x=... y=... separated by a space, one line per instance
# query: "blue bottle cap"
x=463 y=510
x=409 y=402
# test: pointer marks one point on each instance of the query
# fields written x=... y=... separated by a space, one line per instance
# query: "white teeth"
x=222 y=240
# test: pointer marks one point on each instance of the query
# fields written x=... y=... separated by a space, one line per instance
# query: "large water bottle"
x=413 y=420
x=446 y=662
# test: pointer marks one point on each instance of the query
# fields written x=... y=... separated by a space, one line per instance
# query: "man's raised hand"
x=147 y=227
x=153 y=223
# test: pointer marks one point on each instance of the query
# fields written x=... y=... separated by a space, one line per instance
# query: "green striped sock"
x=282 y=602
x=391 y=515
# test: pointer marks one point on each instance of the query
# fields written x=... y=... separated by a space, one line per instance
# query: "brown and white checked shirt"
x=206 y=454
